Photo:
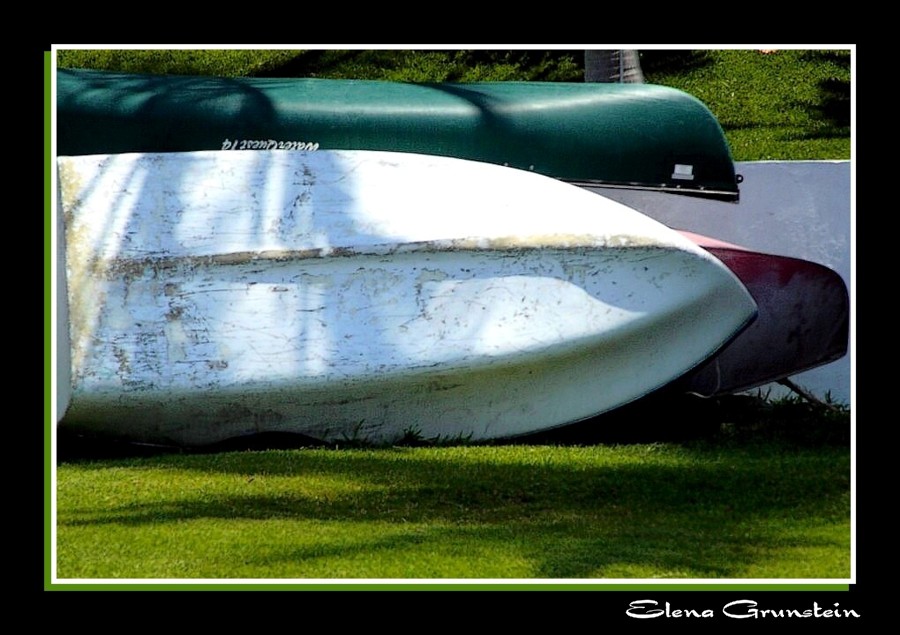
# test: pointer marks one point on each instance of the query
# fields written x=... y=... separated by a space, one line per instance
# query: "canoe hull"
x=803 y=321
x=349 y=372
x=214 y=295
x=624 y=135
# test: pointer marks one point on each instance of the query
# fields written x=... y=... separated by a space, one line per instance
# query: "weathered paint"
x=357 y=295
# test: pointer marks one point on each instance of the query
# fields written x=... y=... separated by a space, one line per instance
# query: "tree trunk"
x=617 y=66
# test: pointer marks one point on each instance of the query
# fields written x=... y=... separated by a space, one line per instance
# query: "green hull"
x=622 y=135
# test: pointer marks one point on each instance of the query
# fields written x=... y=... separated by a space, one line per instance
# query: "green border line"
x=48 y=290
x=450 y=587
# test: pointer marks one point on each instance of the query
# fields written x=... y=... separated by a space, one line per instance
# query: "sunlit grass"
x=640 y=511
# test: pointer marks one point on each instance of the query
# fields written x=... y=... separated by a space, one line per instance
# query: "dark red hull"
x=803 y=321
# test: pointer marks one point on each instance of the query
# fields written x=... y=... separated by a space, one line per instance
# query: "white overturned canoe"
x=363 y=295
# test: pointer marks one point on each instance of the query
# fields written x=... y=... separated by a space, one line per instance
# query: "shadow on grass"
x=829 y=115
x=325 y=63
x=834 y=105
x=701 y=509
x=724 y=421
x=812 y=130
x=660 y=417
x=435 y=65
x=674 y=62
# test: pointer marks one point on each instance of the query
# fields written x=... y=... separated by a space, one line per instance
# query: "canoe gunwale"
x=727 y=196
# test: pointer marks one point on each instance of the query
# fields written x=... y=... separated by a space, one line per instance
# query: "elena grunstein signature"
x=739 y=609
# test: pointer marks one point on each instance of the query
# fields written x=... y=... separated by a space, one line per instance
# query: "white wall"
x=802 y=209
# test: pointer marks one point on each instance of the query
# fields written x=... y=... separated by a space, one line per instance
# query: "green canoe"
x=621 y=135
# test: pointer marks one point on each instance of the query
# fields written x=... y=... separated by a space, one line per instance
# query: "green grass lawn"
x=788 y=105
x=640 y=511
x=759 y=491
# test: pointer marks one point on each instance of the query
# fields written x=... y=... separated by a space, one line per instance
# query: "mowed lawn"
x=635 y=511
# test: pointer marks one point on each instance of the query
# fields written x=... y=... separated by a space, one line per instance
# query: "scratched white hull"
x=362 y=295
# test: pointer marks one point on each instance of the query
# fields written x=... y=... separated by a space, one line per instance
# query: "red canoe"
x=803 y=321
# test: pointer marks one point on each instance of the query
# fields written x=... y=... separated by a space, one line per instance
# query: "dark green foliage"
x=227 y=63
x=660 y=62
x=790 y=421
x=434 y=66
x=381 y=64
x=720 y=421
